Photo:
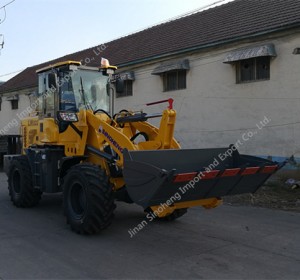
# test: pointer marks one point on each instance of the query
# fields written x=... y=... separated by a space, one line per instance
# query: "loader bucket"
x=153 y=177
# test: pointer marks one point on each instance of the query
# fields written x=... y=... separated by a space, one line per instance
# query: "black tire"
x=88 y=199
x=20 y=186
x=175 y=215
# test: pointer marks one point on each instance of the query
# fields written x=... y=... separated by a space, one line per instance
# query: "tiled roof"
x=222 y=24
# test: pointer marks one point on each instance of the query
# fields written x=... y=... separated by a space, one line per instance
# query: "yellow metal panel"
x=164 y=210
x=50 y=131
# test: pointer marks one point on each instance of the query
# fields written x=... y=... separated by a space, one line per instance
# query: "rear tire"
x=88 y=199
x=20 y=186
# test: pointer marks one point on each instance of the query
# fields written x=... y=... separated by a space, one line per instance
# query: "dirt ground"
x=275 y=194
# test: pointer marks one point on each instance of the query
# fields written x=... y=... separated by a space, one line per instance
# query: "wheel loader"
x=74 y=143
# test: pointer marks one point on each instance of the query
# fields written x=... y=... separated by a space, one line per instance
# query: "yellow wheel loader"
x=74 y=143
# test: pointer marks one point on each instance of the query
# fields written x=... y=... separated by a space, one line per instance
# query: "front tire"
x=20 y=186
x=88 y=199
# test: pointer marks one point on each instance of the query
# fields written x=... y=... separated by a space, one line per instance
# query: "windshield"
x=83 y=89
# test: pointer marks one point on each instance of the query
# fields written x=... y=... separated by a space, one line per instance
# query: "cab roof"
x=59 y=64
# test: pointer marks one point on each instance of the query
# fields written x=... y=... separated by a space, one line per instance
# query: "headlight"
x=67 y=116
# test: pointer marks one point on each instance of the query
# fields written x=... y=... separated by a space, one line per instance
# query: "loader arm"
x=119 y=137
x=159 y=138
x=106 y=133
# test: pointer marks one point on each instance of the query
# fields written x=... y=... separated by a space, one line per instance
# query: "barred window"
x=254 y=69
x=128 y=89
x=174 y=80
x=14 y=104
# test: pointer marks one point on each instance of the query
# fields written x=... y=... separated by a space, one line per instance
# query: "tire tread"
x=29 y=197
x=101 y=199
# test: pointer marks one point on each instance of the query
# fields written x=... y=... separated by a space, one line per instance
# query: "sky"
x=36 y=31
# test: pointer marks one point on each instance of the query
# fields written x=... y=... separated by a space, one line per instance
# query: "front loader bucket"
x=154 y=177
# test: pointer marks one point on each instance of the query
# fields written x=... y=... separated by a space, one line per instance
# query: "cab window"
x=67 y=97
x=49 y=100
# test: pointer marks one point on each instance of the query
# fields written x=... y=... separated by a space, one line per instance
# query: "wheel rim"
x=16 y=181
x=78 y=199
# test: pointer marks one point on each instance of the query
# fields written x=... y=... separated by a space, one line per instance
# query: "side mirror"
x=120 y=86
x=51 y=80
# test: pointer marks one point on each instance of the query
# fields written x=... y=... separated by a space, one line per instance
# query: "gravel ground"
x=274 y=195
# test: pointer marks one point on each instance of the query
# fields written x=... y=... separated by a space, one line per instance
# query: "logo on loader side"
x=110 y=139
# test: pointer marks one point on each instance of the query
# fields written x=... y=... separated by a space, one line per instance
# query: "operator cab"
x=69 y=86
